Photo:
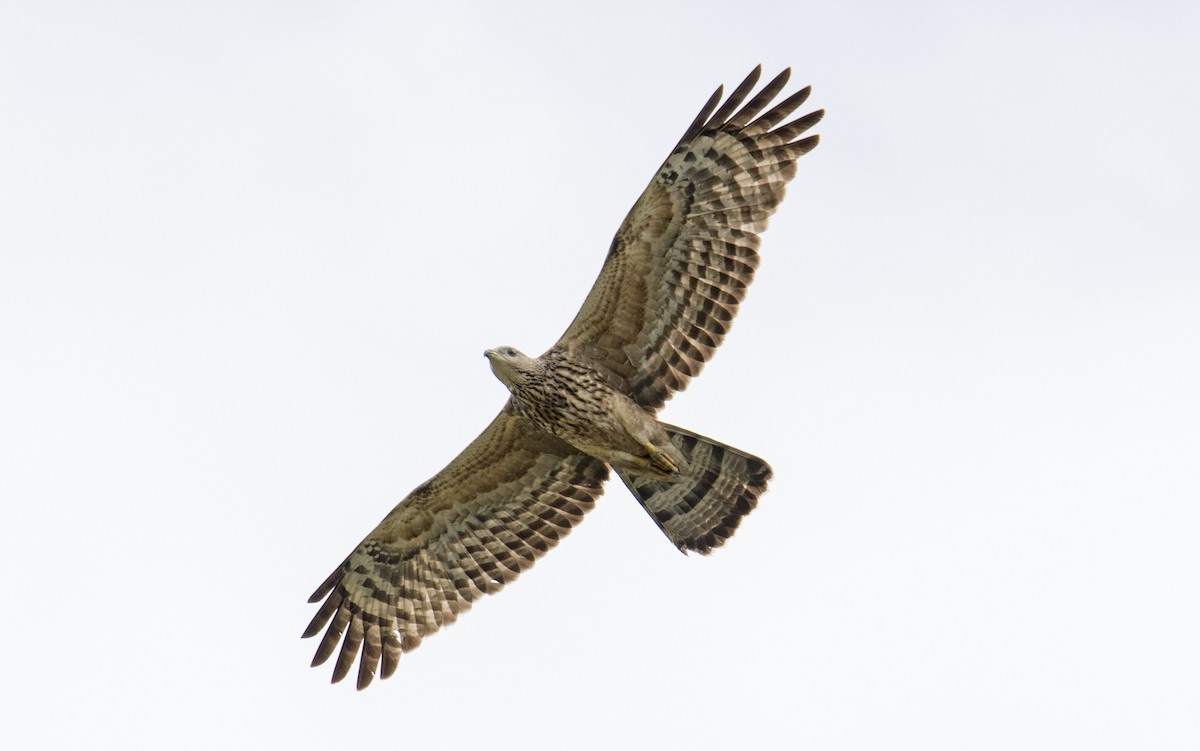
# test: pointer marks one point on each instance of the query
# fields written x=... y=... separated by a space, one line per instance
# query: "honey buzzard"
x=675 y=274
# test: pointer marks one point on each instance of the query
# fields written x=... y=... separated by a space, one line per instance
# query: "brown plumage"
x=675 y=274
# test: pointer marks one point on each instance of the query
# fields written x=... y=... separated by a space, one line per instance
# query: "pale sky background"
x=251 y=253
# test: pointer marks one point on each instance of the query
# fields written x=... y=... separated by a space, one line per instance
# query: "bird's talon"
x=661 y=460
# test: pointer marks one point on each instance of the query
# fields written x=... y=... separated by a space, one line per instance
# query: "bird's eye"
x=510 y=352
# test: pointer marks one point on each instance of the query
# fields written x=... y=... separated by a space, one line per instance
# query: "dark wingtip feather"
x=760 y=100
x=333 y=635
x=330 y=582
x=702 y=118
x=313 y=627
x=803 y=146
x=372 y=650
x=736 y=98
x=349 y=651
x=327 y=609
x=788 y=132
x=391 y=655
x=779 y=112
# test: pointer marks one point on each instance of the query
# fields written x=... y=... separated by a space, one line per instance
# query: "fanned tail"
x=701 y=509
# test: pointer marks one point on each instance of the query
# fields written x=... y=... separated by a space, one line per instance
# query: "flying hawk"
x=675 y=274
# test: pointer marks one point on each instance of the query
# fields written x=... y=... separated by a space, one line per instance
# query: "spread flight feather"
x=676 y=272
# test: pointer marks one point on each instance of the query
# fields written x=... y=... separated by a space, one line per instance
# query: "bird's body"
x=570 y=400
x=675 y=274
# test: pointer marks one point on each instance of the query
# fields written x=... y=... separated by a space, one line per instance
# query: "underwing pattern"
x=675 y=275
x=505 y=500
x=682 y=260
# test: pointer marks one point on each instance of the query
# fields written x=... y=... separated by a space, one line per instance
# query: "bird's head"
x=510 y=364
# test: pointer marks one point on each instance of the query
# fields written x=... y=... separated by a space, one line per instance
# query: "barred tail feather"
x=702 y=508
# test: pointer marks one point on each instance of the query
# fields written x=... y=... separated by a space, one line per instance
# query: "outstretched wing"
x=680 y=264
x=481 y=521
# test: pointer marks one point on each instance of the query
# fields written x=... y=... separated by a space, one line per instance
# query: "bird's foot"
x=659 y=459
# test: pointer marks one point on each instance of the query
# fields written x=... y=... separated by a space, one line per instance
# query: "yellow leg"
x=660 y=459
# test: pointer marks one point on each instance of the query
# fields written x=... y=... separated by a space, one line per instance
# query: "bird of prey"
x=674 y=276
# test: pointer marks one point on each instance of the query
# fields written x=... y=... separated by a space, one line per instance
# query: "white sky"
x=251 y=253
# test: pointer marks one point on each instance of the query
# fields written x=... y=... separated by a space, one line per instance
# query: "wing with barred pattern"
x=680 y=264
x=504 y=501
